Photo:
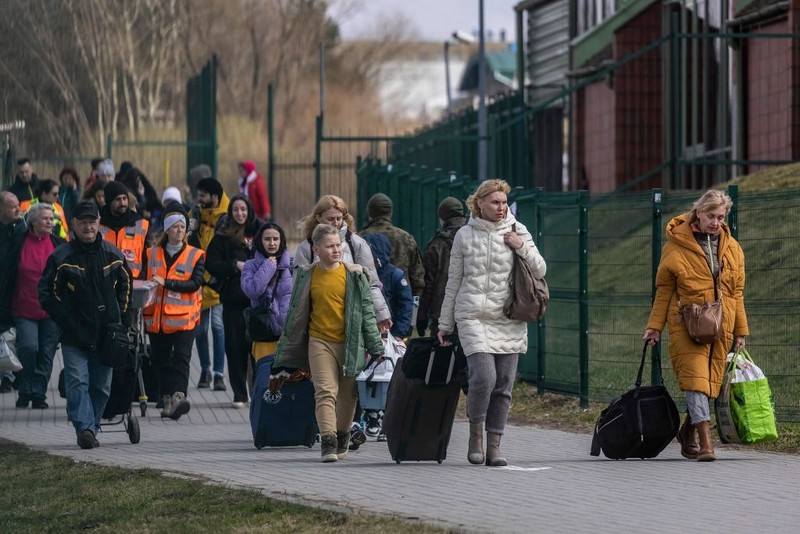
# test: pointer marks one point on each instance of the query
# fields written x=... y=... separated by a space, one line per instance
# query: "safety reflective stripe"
x=131 y=241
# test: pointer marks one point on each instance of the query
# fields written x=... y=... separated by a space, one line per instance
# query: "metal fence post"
x=655 y=370
x=109 y=146
x=583 y=294
x=733 y=216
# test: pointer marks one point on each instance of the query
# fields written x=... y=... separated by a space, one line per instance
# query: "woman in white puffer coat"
x=481 y=262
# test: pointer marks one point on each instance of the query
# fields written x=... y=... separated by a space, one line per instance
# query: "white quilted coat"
x=477 y=287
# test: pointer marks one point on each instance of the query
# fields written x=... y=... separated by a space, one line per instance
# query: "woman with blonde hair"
x=332 y=210
x=481 y=263
x=700 y=262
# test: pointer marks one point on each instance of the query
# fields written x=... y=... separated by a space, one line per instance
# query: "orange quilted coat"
x=684 y=275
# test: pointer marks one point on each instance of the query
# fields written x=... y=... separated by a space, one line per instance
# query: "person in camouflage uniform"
x=405 y=253
x=436 y=260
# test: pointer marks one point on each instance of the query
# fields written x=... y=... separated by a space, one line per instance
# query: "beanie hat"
x=106 y=168
x=210 y=186
x=379 y=205
x=113 y=189
x=172 y=218
x=171 y=193
x=450 y=207
x=174 y=207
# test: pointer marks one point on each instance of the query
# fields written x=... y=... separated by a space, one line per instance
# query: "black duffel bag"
x=640 y=423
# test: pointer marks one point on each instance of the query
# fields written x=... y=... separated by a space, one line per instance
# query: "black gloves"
x=422 y=325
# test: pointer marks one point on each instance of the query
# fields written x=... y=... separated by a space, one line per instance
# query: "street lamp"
x=459 y=37
x=483 y=149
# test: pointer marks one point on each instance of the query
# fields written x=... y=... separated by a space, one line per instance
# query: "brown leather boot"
x=706 y=452
x=686 y=437
x=493 y=457
x=475 y=455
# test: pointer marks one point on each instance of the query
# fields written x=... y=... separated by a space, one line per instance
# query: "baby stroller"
x=123 y=383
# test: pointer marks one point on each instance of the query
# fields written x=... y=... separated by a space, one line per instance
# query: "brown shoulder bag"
x=528 y=296
x=703 y=321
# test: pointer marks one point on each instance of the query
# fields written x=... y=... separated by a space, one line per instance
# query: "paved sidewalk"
x=552 y=484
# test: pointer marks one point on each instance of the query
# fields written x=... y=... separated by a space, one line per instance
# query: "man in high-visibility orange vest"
x=124 y=227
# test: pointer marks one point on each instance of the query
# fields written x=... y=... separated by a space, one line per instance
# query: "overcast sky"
x=434 y=20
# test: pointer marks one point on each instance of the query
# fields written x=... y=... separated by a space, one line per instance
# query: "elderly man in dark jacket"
x=86 y=285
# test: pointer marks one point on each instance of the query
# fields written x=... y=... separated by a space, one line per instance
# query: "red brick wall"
x=638 y=88
x=768 y=97
x=618 y=121
x=596 y=139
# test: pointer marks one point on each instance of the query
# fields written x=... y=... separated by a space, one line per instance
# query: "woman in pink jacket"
x=253 y=186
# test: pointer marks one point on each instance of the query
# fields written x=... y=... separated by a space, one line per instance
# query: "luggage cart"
x=119 y=408
x=143 y=294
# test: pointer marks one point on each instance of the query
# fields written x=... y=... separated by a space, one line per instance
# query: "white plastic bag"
x=744 y=369
x=8 y=351
x=382 y=372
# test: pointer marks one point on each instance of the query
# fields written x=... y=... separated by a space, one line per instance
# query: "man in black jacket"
x=12 y=227
x=25 y=182
x=85 y=286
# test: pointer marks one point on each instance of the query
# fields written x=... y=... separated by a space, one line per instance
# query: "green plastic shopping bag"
x=744 y=408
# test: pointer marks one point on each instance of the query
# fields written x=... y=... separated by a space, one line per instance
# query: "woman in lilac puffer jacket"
x=269 y=276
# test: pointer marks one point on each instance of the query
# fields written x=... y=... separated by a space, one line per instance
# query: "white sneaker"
x=239 y=405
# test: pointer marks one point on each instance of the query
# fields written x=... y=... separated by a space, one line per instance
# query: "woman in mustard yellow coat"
x=699 y=249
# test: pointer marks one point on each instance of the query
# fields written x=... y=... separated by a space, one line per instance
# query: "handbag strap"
x=656 y=361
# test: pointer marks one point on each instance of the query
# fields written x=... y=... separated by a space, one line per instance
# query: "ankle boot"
x=706 y=452
x=686 y=437
x=342 y=441
x=493 y=457
x=475 y=454
x=329 y=446
x=166 y=401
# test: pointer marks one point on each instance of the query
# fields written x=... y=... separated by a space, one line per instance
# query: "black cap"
x=86 y=210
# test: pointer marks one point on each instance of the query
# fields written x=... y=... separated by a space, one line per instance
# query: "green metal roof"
x=589 y=44
x=502 y=65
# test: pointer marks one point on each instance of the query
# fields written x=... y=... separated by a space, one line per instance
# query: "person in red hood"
x=252 y=185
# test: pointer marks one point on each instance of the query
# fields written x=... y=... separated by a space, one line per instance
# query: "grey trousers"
x=697 y=406
x=491 y=379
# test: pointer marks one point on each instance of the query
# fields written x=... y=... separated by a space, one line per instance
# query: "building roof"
x=502 y=66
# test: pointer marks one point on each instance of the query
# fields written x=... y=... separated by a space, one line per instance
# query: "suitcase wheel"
x=398 y=461
x=439 y=461
x=132 y=427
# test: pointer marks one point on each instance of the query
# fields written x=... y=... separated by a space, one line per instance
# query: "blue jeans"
x=36 y=347
x=88 y=384
x=211 y=315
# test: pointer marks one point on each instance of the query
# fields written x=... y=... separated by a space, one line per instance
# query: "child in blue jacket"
x=400 y=300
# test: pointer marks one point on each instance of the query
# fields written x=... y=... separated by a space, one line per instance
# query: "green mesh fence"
x=602 y=254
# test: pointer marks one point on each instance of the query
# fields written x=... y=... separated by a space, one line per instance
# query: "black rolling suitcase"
x=419 y=418
x=640 y=423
